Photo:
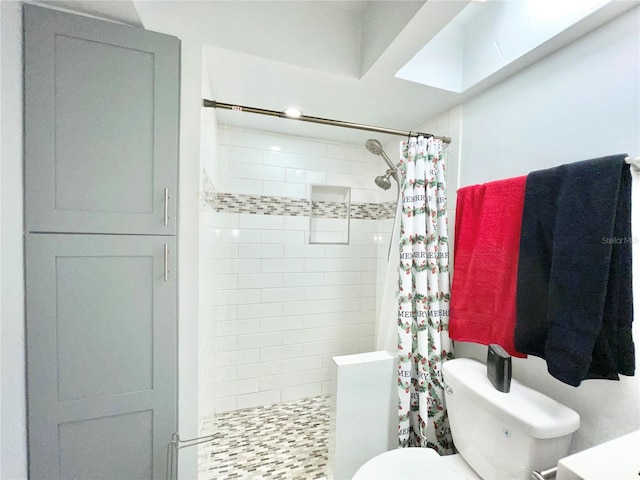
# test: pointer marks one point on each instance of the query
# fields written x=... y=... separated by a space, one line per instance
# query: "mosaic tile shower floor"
x=286 y=441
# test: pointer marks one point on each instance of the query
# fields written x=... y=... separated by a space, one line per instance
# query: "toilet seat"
x=415 y=464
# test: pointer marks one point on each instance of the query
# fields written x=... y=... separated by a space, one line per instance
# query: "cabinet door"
x=101 y=355
x=101 y=125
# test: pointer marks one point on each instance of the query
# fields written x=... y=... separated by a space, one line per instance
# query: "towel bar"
x=634 y=162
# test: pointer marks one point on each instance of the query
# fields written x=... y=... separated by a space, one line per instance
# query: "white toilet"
x=499 y=435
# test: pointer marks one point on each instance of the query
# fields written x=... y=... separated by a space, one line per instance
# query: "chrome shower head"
x=374 y=146
x=383 y=182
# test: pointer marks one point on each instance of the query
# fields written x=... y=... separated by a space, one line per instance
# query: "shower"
x=382 y=181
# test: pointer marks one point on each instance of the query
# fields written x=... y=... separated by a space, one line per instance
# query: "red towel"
x=487 y=243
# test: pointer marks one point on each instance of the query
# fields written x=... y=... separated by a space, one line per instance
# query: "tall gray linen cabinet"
x=101 y=167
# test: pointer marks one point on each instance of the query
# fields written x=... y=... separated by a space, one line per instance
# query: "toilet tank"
x=504 y=435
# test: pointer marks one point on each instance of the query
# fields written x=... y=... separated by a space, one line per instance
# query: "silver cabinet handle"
x=166 y=262
x=166 y=207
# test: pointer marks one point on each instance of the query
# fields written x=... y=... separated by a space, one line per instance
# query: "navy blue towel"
x=574 y=297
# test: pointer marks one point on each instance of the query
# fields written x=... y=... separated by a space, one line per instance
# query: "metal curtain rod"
x=324 y=121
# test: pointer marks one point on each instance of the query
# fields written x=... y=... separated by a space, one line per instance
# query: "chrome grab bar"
x=176 y=444
x=548 y=474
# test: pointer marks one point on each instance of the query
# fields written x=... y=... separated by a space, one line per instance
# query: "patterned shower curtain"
x=423 y=298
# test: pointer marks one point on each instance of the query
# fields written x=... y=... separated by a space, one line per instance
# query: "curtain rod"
x=324 y=121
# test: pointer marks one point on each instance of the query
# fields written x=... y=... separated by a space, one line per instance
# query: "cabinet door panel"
x=101 y=125
x=101 y=355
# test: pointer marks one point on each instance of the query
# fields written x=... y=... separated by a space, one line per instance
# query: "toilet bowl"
x=498 y=435
x=415 y=464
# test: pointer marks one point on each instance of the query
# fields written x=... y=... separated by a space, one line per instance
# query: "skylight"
x=487 y=36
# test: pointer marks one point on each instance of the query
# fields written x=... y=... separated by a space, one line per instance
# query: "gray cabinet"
x=101 y=126
x=101 y=352
x=101 y=157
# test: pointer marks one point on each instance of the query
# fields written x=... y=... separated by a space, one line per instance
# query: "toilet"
x=498 y=435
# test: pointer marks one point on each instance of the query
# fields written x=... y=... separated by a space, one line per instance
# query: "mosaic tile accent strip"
x=329 y=209
x=387 y=210
x=295 y=207
x=286 y=441
x=369 y=211
x=260 y=204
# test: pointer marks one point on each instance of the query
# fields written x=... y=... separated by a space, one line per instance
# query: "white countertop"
x=617 y=459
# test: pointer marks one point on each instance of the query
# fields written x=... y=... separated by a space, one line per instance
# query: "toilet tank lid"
x=526 y=409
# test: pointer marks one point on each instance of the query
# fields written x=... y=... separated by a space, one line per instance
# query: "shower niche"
x=330 y=213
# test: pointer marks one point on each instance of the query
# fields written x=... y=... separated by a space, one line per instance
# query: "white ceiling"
x=114 y=10
x=331 y=59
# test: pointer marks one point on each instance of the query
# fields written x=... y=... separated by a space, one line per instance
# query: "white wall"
x=581 y=102
x=189 y=174
x=13 y=434
x=208 y=168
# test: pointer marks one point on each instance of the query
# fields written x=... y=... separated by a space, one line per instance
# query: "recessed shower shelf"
x=330 y=213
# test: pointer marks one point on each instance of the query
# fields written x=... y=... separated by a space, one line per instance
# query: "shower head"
x=383 y=182
x=374 y=146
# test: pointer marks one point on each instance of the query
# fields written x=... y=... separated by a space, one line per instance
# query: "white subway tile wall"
x=275 y=308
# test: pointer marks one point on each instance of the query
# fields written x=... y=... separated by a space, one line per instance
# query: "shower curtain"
x=423 y=297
